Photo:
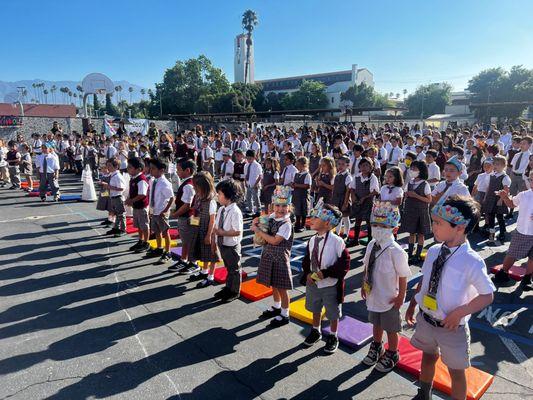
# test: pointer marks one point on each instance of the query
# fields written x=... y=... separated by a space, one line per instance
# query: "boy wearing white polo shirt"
x=522 y=239
x=452 y=185
x=454 y=285
x=253 y=173
x=116 y=187
x=384 y=285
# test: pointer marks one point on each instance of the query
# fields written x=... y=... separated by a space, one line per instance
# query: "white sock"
x=277 y=304
x=334 y=333
x=284 y=312
x=317 y=327
x=204 y=271
x=210 y=277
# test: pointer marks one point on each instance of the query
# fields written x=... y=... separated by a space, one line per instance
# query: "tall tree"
x=143 y=92
x=110 y=108
x=53 y=92
x=45 y=92
x=363 y=95
x=310 y=95
x=429 y=99
x=249 y=22
x=130 y=89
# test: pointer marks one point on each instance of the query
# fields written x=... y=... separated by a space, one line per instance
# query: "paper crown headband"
x=325 y=215
x=385 y=213
x=282 y=195
x=449 y=213
x=456 y=163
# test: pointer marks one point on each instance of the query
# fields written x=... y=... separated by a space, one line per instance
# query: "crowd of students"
x=334 y=180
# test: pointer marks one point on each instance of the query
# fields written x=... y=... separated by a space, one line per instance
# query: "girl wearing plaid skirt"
x=274 y=267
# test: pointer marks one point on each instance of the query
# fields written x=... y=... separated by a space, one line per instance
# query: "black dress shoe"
x=276 y=323
x=270 y=313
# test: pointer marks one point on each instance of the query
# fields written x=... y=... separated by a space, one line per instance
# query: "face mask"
x=413 y=174
x=382 y=235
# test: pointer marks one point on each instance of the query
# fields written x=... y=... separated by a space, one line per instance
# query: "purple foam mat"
x=176 y=251
x=352 y=332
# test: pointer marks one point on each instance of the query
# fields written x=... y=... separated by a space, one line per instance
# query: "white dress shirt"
x=327 y=256
x=524 y=202
x=390 y=193
x=457 y=188
x=397 y=154
x=287 y=175
x=118 y=181
x=482 y=182
x=374 y=183
x=232 y=221
x=52 y=162
x=256 y=172
x=162 y=195
x=524 y=161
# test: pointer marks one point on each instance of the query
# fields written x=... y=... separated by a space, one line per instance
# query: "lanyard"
x=322 y=251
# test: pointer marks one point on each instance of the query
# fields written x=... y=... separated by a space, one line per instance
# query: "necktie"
x=220 y=239
x=224 y=169
x=518 y=161
x=353 y=166
x=372 y=262
x=390 y=155
x=448 y=185
x=315 y=262
x=379 y=155
x=248 y=172
x=283 y=176
x=204 y=156
x=108 y=153
x=436 y=272
x=45 y=165
x=390 y=189
x=153 y=192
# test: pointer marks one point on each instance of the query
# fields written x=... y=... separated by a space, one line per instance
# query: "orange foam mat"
x=26 y=184
x=516 y=272
x=477 y=381
x=254 y=291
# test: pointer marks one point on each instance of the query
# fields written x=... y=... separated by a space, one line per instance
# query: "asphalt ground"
x=83 y=318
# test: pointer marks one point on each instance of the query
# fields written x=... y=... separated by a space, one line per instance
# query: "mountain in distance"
x=36 y=94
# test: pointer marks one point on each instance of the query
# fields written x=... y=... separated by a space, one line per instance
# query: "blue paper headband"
x=450 y=214
x=325 y=215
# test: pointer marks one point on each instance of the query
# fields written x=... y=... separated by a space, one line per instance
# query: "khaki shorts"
x=159 y=224
x=453 y=346
x=389 y=321
x=140 y=219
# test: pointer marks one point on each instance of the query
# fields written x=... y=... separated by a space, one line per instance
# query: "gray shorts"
x=453 y=346
x=116 y=205
x=140 y=218
x=326 y=297
x=159 y=224
x=389 y=321
x=186 y=231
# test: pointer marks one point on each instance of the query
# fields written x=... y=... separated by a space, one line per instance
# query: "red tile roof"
x=39 y=110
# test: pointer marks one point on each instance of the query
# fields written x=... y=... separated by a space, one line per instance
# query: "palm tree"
x=118 y=89
x=130 y=89
x=391 y=95
x=45 y=92
x=404 y=93
x=69 y=96
x=397 y=95
x=143 y=92
x=52 y=91
x=249 y=22
x=34 y=85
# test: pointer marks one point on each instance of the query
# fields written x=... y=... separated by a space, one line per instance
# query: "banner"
x=10 y=121
x=132 y=125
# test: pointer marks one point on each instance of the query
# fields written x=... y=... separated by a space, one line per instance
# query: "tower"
x=239 y=60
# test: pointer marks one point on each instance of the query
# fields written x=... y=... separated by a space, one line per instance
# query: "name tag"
x=430 y=302
x=314 y=276
x=194 y=221
x=367 y=288
x=105 y=193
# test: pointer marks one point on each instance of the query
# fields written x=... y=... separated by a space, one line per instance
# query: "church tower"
x=239 y=61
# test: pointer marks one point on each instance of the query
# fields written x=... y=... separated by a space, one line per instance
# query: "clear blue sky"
x=404 y=43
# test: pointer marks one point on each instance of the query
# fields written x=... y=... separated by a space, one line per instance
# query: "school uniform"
x=433 y=173
x=394 y=156
x=326 y=253
x=274 y=267
x=48 y=165
x=103 y=202
x=185 y=195
x=384 y=264
x=230 y=218
x=492 y=204
x=314 y=165
x=522 y=237
x=117 y=200
x=518 y=166
x=218 y=161
x=362 y=187
x=160 y=194
x=207 y=157
x=238 y=175
x=390 y=193
x=300 y=197
x=461 y=277
x=12 y=157
x=450 y=189
x=482 y=184
x=252 y=173
x=415 y=217
x=323 y=192
x=4 y=169
x=139 y=186
x=26 y=165
x=269 y=178
x=226 y=170
x=203 y=209
x=340 y=187
x=287 y=175
x=354 y=165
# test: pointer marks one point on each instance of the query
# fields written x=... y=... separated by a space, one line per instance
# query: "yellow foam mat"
x=153 y=243
x=297 y=310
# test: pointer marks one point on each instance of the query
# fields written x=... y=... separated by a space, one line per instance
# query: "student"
x=452 y=185
x=103 y=202
x=314 y=167
x=325 y=179
x=289 y=170
x=392 y=189
x=26 y=166
x=253 y=173
x=13 y=162
x=219 y=151
x=362 y=191
x=325 y=264
x=300 y=197
x=4 y=169
x=269 y=182
x=416 y=220
x=482 y=181
x=338 y=196
x=274 y=267
x=226 y=168
x=183 y=198
x=356 y=157
x=492 y=206
x=48 y=165
x=138 y=199
x=518 y=167
x=238 y=169
x=454 y=286
x=116 y=187
x=227 y=237
x=384 y=286
x=395 y=153
x=522 y=239
x=433 y=168
x=208 y=157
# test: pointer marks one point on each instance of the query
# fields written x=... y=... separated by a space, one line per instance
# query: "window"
x=332 y=100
